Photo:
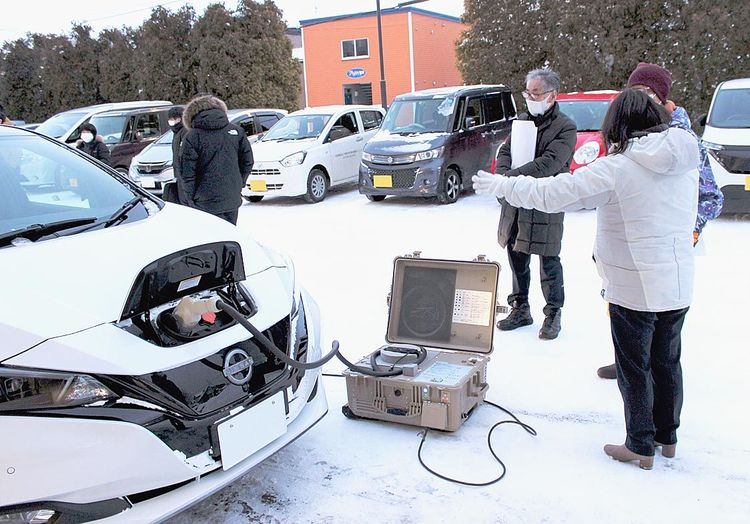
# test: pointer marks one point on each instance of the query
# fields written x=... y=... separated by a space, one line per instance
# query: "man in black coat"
x=526 y=232
x=215 y=160
x=173 y=191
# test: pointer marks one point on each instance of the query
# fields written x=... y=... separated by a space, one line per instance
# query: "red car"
x=587 y=109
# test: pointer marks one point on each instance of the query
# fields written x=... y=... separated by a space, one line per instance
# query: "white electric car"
x=310 y=150
x=110 y=407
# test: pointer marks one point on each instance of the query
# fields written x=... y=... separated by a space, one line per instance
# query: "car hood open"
x=61 y=286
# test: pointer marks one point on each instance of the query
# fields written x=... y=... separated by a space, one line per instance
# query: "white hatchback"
x=310 y=150
x=113 y=405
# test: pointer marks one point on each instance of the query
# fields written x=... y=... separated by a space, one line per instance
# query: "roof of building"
x=383 y=12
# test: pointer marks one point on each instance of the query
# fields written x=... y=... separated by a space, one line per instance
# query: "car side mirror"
x=702 y=119
x=470 y=121
x=337 y=133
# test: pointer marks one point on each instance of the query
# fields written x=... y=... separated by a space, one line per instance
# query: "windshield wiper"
x=121 y=213
x=40 y=230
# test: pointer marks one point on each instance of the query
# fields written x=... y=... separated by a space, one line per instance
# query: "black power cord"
x=515 y=420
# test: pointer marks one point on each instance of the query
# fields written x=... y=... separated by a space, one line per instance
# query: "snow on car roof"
x=737 y=83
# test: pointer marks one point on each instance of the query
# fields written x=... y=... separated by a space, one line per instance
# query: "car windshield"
x=423 y=115
x=297 y=127
x=587 y=114
x=61 y=123
x=731 y=109
x=43 y=183
x=166 y=138
x=109 y=127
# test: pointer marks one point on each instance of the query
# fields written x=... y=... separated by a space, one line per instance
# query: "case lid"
x=445 y=304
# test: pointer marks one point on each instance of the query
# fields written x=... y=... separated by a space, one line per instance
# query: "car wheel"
x=123 y=171
x=317 y=186
x=450 y=187
x=375 y=198
x=253 y=198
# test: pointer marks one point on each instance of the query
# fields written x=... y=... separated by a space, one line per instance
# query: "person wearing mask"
x=93 y=144
x=173 y=192
x=656 y=82
x=526 y=232
x=215 y=160
x=645 y=192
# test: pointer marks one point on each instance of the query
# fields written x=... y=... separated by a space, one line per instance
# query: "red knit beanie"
x=653 y=76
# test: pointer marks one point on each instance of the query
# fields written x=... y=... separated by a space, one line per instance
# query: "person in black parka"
x=215 y=159
x=93 y=144
x=174 y=191
x=526 y=232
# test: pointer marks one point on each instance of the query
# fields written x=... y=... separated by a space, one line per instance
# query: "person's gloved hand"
x=486 y=183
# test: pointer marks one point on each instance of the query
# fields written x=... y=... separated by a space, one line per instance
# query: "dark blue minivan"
x=432 y=142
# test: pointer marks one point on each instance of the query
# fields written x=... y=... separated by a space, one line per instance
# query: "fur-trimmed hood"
x=201 y=104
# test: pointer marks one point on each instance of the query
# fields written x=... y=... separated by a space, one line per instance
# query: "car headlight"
x=367 y=157
x=133 y=172
x=24 y=389
x=29 y=516
x=428 y=155
x=587 y=153
x=294 y=159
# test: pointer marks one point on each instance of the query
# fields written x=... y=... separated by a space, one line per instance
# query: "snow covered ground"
x=345 y=470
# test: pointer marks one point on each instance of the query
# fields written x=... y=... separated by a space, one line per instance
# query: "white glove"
x=486 y=183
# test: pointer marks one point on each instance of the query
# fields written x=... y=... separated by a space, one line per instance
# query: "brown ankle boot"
x=623 y=454
x=667 y=450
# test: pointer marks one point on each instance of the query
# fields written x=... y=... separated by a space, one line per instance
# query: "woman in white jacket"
x=645 y=192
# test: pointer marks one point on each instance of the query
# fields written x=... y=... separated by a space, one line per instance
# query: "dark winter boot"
x=519 y=316
x=609 y=372
x=551 y=326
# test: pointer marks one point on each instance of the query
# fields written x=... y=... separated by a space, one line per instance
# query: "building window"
x=359 y=48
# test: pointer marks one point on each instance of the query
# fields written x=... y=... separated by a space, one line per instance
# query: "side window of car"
x=473 y=116
x=458 y=124
x=147 y=126
x=266 y=122
x=247 y=125
x=345 y=125
x=371 y=119
x=493 y=107
x=508 y=106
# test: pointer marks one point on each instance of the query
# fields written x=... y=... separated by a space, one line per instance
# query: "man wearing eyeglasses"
x=526 y=232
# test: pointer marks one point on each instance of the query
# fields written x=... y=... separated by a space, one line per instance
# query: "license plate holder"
x=148 y=182
x=747 y=183
x=258 y=185
x=382 y=181
x=251 y=430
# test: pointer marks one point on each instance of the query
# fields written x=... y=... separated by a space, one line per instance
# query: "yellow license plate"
x=258 y=185
x=747 y=183
x=382 y=181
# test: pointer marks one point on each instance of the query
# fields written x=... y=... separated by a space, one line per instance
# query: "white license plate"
x=251 y=430
x=148 y=182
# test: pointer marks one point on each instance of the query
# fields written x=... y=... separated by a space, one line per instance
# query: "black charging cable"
x=515 y=420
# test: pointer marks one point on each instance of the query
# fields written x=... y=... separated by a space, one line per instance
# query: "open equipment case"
x=433 y=371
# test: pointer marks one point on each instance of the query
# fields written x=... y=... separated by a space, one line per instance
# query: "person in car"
x=645 y=192
x=93 y=144
x=526 y=232
x=215 y=159
x=656 y=82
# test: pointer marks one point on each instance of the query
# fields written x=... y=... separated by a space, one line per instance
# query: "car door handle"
x=359 y=139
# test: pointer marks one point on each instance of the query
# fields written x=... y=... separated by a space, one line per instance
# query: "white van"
x=64 y=126
x=727 y=139
x=310 y=150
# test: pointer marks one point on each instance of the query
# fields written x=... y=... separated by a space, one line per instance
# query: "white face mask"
x=538 y=108
x=87 y=137
x=173 y=123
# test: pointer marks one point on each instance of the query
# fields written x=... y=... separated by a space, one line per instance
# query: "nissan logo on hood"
x=238 y=367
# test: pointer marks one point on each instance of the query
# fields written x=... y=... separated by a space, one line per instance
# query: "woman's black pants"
x=647 y=356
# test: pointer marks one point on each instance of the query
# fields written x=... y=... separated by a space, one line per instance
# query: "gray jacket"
x=645 y=200
x=539 y=233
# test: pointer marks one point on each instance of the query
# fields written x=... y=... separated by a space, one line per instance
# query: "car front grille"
x=388 y=160
x=265 y=172
x=150 y=168
x=402 y=178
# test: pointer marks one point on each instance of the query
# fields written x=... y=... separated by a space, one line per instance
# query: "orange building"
x=342 y=61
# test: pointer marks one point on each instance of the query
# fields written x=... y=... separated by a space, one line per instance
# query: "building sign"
x=356 y=72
